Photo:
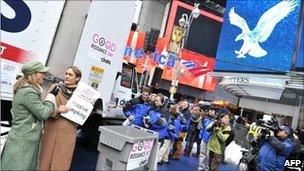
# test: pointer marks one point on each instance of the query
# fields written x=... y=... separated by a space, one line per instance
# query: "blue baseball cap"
x=286 y=129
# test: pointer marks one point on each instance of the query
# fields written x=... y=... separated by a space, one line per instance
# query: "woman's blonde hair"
x=30 y=79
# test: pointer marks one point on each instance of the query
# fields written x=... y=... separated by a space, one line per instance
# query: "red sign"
x=15 y=54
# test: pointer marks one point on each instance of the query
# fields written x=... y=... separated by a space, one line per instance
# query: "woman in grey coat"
x=29 y=111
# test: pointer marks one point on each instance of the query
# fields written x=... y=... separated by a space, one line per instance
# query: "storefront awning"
x=271 y=88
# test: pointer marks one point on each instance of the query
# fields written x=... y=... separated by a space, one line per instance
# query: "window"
x=126 y=76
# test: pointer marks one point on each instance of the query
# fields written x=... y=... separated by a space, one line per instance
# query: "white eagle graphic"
x=262 y=30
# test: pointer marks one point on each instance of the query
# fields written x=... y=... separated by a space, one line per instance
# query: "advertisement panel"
x=193 y=66
x=196 y=61
x=27 y=32
x=204 y=31
x=102 y=45
x=258 y=36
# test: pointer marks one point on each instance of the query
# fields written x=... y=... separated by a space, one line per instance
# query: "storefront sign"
x=235 y=80
x=243 y=80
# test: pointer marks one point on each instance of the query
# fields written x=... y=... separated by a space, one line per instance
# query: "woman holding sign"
x=29 y=111
x=59 y=137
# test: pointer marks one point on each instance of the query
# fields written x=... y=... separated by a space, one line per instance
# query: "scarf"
x=66 y=90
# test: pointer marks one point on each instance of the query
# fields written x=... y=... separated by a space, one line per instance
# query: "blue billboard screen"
x=300 y=59
x=258 y=36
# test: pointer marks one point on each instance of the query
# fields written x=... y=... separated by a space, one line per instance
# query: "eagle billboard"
x=258 y=36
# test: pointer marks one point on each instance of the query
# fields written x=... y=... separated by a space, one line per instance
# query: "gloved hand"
x=161 y=121
x=131 y=117
x=171 y=127
x=55 y=90
x=147 y=121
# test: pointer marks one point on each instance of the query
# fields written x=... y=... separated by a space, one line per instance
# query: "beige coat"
x=58 y=141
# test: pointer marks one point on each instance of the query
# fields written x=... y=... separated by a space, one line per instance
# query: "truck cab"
x=126 y=88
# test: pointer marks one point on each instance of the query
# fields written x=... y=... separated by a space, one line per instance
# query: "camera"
x=263 y=127
x=267 y=126
x=216 y=123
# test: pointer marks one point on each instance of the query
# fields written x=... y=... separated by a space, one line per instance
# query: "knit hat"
x=286 y=129
x=33 y=67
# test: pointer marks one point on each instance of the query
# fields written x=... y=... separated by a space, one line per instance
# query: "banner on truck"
x=27 y=32
x=100 y=51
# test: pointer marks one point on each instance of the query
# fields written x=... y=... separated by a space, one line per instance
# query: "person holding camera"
x=275 y=149
x=220 y=132
x=205 y=135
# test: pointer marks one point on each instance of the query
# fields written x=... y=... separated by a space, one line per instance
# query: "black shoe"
x=173 y=158
x=160 y=163
x=167 y=162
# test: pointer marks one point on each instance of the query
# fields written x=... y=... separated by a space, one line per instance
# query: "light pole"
x=185 y=22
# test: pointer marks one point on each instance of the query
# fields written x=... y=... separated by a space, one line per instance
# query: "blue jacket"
x=184 y=116
x=192 y=123
x=204 y=134
x=138 y=111
x=155 y=115
x=173 y=128
x=273 y=153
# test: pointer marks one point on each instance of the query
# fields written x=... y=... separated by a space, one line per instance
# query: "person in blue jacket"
x=204 y=135
x=184 y=114
x=157 y=117
x=274 y=150
x=173 y=129
x=193 y=129
x=136 y=108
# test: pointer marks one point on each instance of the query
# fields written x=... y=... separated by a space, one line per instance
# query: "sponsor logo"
x=104 y=46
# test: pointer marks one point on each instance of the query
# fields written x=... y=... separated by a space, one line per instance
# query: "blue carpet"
x=85 y=157
x=183 y=164
x=86 y=154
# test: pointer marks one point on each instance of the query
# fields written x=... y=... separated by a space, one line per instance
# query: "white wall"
x=151 y=15
x=268 y=107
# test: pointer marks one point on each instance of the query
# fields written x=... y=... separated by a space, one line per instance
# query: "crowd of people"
x=211 y=128
x=199 y=123
x=41 y=139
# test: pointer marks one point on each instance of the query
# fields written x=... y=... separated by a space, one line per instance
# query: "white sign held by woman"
x=81 y=103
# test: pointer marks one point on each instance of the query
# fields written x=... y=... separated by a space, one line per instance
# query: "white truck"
x=89 y=34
